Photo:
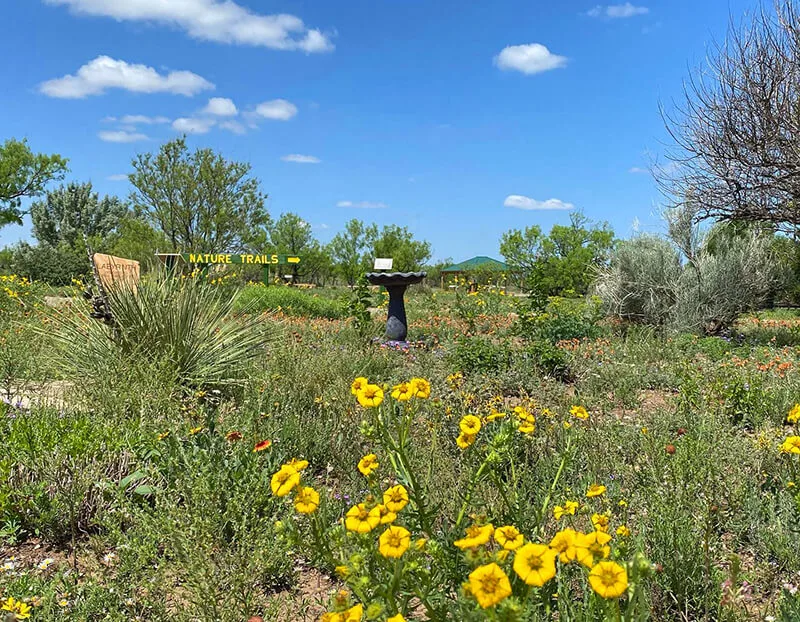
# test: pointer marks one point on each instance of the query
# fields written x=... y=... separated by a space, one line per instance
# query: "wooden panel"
x=116 y=270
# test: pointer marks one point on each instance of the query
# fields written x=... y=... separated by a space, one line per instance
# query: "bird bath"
x=396 y=284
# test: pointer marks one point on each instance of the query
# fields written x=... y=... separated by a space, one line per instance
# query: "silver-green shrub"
x=691 y=279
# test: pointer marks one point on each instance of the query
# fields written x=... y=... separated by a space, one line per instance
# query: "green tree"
x=136 y=239
x=348 y=249
x=200 y=201
x=56 y=265
x=72 y=211
x=291 y=235
x=399 y=244
x=24 y=174
x=565 y=261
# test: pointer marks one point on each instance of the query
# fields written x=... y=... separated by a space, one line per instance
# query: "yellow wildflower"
x=489 y=585
x=21 y=610
x=368 y=464
x=527 y=427
x=403 y=392
x=623 y=531
x=509 y=537
x=284 y=481
x=422 y=388
x=342 y=571
x=494 y=415
x=470 y=425
x=358 y=384
x=297 y=465
x=307 y=500
x=387 y=516
x=370 y=396
x=354 y=614
x=395 y=498
x=579 y=412
x=362 y=520
x=476 y=535
x=394 y=541
x=465 y=440
x=398 y=618
x=794 y=414
x=597 y=544
x=595 y=490
x=791 y=445
x=535 y=564
x=600 y=522
x=608 y=579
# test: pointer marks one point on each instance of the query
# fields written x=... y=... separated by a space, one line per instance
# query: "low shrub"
x=480 y=355
x=289 y=300
x=561 y=319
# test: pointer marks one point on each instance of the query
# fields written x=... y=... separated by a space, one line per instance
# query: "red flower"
x=262 y=445
x=670 y=449
x=234 y=435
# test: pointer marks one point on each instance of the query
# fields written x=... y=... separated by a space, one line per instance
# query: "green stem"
x=554 y=484
x=395 y=585
x=470 y=490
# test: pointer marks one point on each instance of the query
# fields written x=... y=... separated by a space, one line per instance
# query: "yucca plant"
x=184 y=327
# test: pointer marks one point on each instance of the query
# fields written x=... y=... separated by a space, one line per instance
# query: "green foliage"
x=199 y=201
x=647 y=282
x=564 y=261
x=561 y=319
x=348 y=250
x=138 y=240
x=291 y=235
x=549 y=359
x=184 y=327
x=359 y=304
x=55 y=265
x=289 y=300
x=683 y=430
x=480 y=355
x=24 y=174
x=399 y=244
x=70 y=212
x=641 y=283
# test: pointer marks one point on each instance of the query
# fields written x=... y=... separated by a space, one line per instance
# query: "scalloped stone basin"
x=396 y=284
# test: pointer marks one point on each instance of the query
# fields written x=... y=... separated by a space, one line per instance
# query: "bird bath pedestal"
x=396 y=284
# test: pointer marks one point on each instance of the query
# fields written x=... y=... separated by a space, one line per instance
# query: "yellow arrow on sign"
x=292 y=260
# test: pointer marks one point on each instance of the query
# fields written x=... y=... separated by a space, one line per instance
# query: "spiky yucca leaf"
x=184 y=326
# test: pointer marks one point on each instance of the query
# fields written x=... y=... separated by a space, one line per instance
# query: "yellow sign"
x=237 y=258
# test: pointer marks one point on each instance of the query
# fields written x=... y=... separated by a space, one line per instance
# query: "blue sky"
x=460 y=120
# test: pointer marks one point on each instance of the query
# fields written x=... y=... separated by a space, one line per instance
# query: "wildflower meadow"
x=301 y=469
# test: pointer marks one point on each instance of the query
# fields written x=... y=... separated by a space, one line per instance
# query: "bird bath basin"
x=396 y=284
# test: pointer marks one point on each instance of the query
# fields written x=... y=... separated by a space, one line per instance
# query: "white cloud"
x=221 y=107
x=278 y=109
x=618 y=11
x=522 y=202
x=104 y=72
x=301 y=159
x=191 y=125
x=529 y=59
x=117 y=178
x=322 y=226
x=139 y=119
x=233 y=126
x=637 y=170
x=362 y=204
x=121 y=136
x=211 y=20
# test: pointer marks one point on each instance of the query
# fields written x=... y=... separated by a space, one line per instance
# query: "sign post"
x=246 y=259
